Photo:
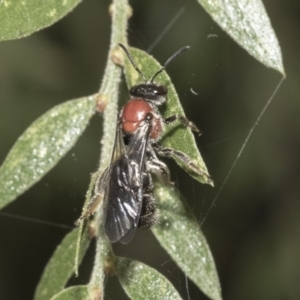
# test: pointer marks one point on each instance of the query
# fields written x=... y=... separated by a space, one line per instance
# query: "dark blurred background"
x=254 y=227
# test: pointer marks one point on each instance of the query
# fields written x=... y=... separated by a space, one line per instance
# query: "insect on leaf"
x=176 y=136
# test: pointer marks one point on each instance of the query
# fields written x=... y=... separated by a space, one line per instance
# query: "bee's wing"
x=124 y=191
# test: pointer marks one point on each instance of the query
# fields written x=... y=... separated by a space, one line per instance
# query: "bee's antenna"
x=177 y=53
x=132 y=62
x=181 y=50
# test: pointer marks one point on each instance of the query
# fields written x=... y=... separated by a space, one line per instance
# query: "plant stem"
x=109 y=91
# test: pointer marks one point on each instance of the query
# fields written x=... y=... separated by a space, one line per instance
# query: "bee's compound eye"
x=160 y=90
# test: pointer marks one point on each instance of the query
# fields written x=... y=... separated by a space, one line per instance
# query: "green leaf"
x=80 y=292
x=176 y=136
x=22 y=18
x=179 y=233
x=61 y=266
x=42 y=145
x=247 y=22
x=143 y=282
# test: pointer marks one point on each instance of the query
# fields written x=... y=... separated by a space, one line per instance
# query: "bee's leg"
x=184 y=158
x=160 y=169
x=184 y=121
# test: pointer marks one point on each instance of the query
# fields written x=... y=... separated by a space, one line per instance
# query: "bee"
x=126 y=184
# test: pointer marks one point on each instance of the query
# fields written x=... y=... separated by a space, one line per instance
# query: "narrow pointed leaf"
x=179 y=233
x=42 y=145
x=143 y=282
x=21 y=18
x=247 y=22
x=176 y=136
x=80 y=292
x=61 y=266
